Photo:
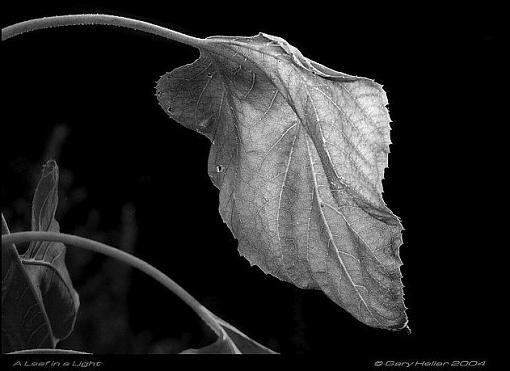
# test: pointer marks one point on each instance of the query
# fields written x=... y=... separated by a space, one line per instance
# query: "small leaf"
x=39 y=303
x=44 y=261
x=298 y=153
x=45 y=200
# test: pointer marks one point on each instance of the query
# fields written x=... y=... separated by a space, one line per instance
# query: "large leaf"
x=40 y=304
x=298 y=153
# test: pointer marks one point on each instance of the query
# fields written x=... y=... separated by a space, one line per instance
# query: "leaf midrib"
x=323 y=217
x=355 y=287
x=262 y=72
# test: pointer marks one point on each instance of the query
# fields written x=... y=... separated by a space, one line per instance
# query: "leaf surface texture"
x=38 y=298
x=298 y=154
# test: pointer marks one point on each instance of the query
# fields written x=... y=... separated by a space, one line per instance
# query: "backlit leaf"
x=298 y=153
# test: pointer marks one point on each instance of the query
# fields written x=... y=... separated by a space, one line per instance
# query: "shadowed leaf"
x=298 y=153
x=24 y=321
x=45 y=261
x=39 y=303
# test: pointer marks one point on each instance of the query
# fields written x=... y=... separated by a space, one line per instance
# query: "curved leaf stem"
x=99 y=19
x=47 y=351
x=203 y=313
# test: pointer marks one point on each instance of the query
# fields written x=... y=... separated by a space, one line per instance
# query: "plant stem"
x=203 y=313
x=99 y=19
x=5 y=228
x=47 y=351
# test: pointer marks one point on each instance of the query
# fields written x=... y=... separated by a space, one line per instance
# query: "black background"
x=437 y=70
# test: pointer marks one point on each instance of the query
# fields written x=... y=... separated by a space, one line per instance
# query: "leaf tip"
x=49 y=167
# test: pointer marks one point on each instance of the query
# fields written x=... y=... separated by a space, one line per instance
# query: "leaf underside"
x=298 y=154
x=39 y=303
